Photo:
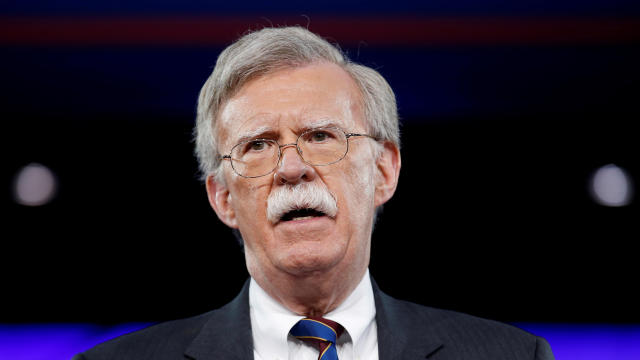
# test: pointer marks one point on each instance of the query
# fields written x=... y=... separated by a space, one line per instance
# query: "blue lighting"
x=62 y=341
x=55 y=341
x=590 y=341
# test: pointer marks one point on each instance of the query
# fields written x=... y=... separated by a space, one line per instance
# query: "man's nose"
x=292 y=168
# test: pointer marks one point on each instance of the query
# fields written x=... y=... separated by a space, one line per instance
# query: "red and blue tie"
x=320 y=332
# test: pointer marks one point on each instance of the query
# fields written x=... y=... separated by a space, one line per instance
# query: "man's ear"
x=220 y=200
x=388 y=172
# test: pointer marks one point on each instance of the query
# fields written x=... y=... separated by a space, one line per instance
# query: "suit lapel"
x=227 y=333
x=400 y=334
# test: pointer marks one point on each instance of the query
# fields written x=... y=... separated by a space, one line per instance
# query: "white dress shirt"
x=271 y=322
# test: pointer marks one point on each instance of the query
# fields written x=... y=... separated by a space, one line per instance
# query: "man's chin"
x=311 y=257
x=309 y=267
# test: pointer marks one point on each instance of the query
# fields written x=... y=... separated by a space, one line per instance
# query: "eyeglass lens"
x=317 y=147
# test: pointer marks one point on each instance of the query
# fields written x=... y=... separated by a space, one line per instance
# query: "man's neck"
x=313 y=294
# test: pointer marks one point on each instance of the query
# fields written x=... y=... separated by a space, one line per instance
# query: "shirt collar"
x=271 y=321
x=357 y=312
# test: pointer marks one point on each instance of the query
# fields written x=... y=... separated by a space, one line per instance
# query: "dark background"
x=506 y=111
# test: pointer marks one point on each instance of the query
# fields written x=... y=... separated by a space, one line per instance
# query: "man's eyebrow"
x=322 y=123
x=255 y=133
x=268 y=131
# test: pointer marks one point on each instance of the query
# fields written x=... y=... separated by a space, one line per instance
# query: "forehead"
x=292 y=99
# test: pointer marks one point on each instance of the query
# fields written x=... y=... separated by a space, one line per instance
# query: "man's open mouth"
x=301 y=214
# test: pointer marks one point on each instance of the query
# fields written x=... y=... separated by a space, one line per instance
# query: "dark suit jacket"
x=405 y=331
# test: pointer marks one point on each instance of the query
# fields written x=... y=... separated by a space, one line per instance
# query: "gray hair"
x=269 y=50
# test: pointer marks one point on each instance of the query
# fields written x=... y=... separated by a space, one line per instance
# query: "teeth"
x=303 y=218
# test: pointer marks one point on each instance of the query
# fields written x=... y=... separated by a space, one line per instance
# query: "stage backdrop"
x=518 y=143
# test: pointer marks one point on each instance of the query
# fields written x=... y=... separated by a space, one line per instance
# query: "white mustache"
x=305 y=195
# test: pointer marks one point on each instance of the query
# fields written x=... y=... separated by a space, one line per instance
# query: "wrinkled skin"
x=308 y=265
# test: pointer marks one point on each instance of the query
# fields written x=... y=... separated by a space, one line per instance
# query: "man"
x=299 y=147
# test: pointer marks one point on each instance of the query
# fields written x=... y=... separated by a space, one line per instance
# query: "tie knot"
x=321 y=332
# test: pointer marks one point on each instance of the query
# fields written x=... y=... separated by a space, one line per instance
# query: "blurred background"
x=516 y=198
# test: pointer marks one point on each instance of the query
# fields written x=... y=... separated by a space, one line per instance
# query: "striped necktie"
x=320 y=332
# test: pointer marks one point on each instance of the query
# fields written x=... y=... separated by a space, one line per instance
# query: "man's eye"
x=256 y=145
x=319 y=136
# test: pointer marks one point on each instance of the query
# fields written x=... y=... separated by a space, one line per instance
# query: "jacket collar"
x=402 y=333
x=227 y=333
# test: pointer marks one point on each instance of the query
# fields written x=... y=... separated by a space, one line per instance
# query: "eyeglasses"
x=317 y=147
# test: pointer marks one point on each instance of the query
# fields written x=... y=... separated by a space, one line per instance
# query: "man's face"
x=281 y=106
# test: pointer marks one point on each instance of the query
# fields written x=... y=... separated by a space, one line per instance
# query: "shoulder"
x=456 y=323
x=151 y=342
x=457 y=333
x=173 y=339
